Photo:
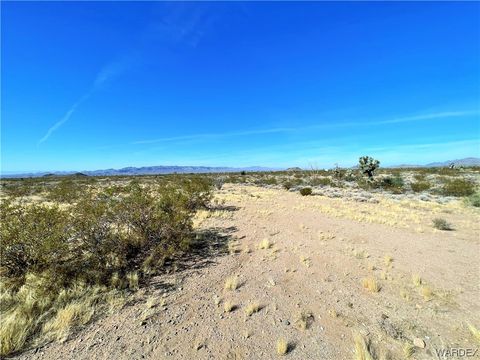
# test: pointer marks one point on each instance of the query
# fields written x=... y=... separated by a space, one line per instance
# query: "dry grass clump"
x=75 y=313
x=305 y=260
x=405 y=295
x=282 y=346
x=333 y=313
x=231 y=283
x=426 y=292
x=304 y=320
x=151 y=302
x=132 y=278
x=416 y=280
x=252 y=308
x=384 y=275
x=408 y=350
x=371 y=285
x=362 y=351
x=361 y=254
x=388 y=259
x=475 y=332
x=228 y=306
x=265 y=244
x=35 y=314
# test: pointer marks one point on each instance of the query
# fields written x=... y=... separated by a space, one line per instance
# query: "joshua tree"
x=368 y=165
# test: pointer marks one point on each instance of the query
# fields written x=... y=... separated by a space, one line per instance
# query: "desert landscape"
x=239 y=180
x=303 y=264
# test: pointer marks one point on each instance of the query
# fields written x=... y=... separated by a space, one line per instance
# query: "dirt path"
x=321 y=249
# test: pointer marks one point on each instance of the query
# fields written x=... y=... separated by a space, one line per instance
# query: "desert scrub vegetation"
x=474 y=199
x=60 y=262
x=420 y=186
x=442 y=224
x=306 y=191
x=458 y=187
x=371 y=285
x=368 y=166
x=231 y=283
x=394 y=184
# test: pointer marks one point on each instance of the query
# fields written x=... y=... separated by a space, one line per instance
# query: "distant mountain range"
x=157 y=170
x=470 y=161
x=145 y=170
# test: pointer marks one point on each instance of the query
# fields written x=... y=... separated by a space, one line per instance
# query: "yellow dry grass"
x=133 y=280
x=387 y=259
x=361 y=348
x=265 y=244
x=228 y=306
x=282 y=346
x=252 y=308
x=408 y=350
x=371 y=285
x=75 y=313
x=231 y=283
x=426 y=292
x=475 y=332
x=416 y=280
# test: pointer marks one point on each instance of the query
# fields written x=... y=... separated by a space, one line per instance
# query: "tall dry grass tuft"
x=362 y=351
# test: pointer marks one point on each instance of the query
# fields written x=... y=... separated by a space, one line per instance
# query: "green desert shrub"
x=458 y=187
x=394 y=184
x=474 y=199
x=306 y=191
x=102 y=240
x=441 y=224
x=287 y=185
x=269 y=181
x=323 y=181
x=420 y=186
x=66 y=190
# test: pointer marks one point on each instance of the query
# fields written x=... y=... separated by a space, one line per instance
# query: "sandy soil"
x=321 y=250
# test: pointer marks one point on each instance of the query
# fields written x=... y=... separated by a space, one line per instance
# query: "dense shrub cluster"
x=420 y=186
x=394 y=184
x=65 y=190
x=474 y=199
x=306 y=191
x=102 y=234
x=106 y=239
x=458 y=187
x=323 y=181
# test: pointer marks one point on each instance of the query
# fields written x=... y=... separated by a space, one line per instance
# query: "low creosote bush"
x=420 y=186
x=324 y=181
x=287 y=185
x=458 y=187
x=66 y=190
x=306 y=191
x=104 y=240
x=394 y=184
x=441 y=224
x=474 y=199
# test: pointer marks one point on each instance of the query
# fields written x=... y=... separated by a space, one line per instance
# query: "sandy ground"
x=321 y=249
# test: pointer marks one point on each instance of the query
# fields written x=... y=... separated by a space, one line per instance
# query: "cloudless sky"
x=94 y=85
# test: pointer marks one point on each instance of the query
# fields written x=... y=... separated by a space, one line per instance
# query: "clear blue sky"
x=92 y=85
